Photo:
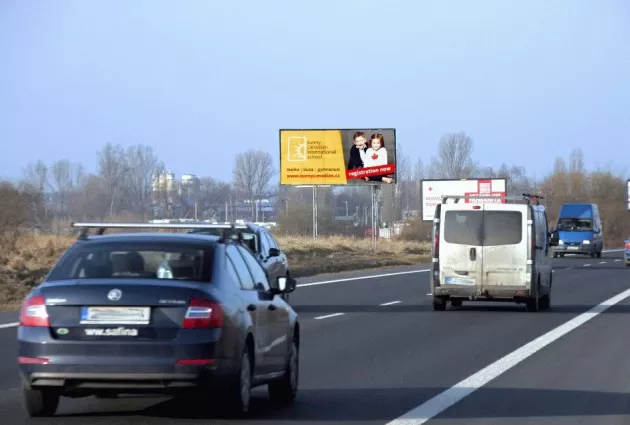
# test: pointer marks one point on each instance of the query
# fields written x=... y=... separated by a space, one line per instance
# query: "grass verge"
x=25 y=264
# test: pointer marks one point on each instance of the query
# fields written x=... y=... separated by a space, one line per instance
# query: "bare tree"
x=142 y=164
x=61 y=184
x=112 y=169
x=454 y=160
x=253 y=171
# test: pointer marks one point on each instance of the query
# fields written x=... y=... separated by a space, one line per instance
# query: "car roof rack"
x=102 y=227
x=527 y=198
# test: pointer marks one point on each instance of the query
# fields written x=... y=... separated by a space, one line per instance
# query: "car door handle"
x=473 y=254
x=251 y=307
x=272 y=307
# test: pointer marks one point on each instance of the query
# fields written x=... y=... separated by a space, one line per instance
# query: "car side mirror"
x=283 y=285
x=274 y=252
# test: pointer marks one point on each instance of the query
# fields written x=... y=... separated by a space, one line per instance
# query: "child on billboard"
x=375 y=156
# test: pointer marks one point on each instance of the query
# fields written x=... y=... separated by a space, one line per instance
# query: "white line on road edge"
x=391 y=303
x=348 y=279
x=586 y=265
x=602 y=262
x=459 y=391
x=329 y=316
x=617 y=260
x=9 y=325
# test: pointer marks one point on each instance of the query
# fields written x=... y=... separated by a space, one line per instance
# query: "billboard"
x=432 y=190
x=628 y=195
x=338 y=156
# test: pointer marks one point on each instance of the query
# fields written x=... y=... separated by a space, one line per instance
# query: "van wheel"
x=457 y=303
x=561 y=255
x=41 y=402
x=439 y=304
x=533 y=305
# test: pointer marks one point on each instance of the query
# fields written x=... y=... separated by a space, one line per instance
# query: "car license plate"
x=573 y=248
x=116 y=315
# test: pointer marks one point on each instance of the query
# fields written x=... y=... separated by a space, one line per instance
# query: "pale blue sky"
x=201 y=81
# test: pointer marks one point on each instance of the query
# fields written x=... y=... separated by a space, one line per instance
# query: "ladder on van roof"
x=526 y=198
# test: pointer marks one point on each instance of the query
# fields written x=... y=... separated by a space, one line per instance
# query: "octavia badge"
x=114 y=294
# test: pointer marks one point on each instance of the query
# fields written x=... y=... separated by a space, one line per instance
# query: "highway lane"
x=375 y=362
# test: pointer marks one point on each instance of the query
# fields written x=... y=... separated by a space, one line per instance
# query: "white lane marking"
x=586 y=265
x=9 y=325
x=617 y=260
x=329 y=316
x=438 y=404
x=429 y=293
x=602 y=262
x=348 y=279
x=391 y=303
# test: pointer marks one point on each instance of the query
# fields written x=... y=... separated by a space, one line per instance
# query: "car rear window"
x=487 y=228
x=135 y=260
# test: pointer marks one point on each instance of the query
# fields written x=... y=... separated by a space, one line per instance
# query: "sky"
x=201 y=81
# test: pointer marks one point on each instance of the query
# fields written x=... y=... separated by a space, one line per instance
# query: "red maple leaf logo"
x=430 y=189
x=374 y=156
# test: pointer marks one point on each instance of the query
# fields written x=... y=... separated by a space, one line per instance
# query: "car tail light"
x=627 y=245
x=203 y=313
x=436 y=245
x=33 y=313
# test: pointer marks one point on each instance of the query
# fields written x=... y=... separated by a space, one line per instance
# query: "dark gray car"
x=262 y=244
x=178 y=314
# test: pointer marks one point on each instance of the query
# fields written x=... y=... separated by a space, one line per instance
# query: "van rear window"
x=502 y=228
x=499 y=227
x=463 y=227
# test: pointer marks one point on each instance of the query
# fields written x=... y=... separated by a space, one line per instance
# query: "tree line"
x=122 y=183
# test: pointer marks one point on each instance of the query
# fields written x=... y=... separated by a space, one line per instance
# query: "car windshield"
x=135 y=260
x=250 y=239
x=575 y=224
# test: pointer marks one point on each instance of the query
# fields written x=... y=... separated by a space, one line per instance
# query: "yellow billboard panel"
x=337 y=157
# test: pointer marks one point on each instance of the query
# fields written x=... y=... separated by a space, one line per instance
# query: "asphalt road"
x=373 y=350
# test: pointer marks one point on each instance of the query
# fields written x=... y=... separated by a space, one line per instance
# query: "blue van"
x=578 y=231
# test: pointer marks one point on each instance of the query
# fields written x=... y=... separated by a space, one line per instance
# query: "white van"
x=491 y=252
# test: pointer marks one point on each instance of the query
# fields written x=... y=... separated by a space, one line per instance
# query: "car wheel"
x=457 y=303
x=40 y=402
x=239 y=393
x=284 y=390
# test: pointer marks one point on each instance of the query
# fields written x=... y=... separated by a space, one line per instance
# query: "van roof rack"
x=102 y=227
x=526 y=197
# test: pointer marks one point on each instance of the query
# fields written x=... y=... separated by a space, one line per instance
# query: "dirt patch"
x=25 y=263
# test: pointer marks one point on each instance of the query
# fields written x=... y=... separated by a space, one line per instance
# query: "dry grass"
x=25 y=265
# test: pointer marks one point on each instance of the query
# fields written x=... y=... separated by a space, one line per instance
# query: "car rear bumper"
x=141 y=366
x=127 y=379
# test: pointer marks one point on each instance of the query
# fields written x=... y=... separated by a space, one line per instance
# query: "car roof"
x=153 y=237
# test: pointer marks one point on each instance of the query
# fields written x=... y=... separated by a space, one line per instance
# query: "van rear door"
x=461 y=255
x=506 y=241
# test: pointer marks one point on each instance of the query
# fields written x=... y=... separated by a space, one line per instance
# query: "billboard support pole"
x=374 y=217
x=314 y=211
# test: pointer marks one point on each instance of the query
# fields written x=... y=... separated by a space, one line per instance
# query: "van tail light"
x=627 y=245
x=203 y=313
x=33 y=313
x=436 y=245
